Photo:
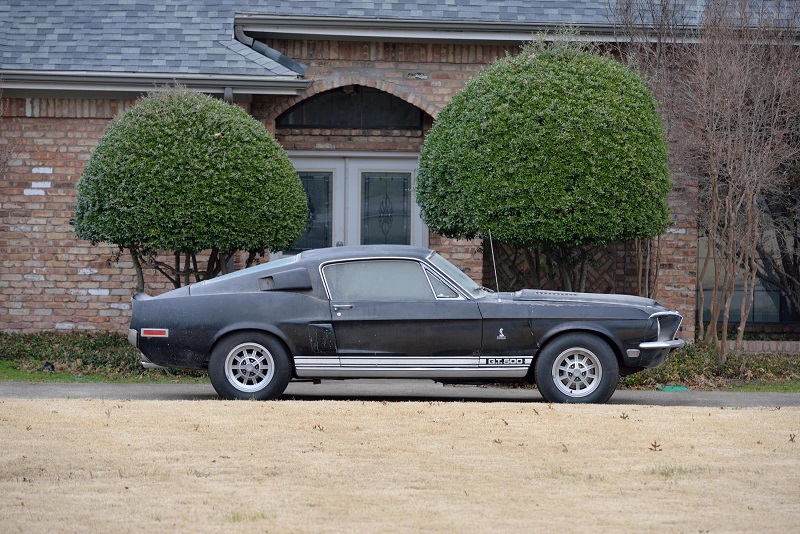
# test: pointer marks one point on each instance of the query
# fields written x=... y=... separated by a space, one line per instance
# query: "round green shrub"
x=550 y=148
x=182 y=171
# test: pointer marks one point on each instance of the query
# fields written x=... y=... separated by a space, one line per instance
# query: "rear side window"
x=379 y=280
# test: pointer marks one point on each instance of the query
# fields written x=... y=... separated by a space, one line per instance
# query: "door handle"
x=337 y=307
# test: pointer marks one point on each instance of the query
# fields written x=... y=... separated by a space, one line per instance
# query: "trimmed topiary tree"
x=183 y=172
x=557 y=149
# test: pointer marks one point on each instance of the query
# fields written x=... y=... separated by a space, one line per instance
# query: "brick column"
x=677 y=283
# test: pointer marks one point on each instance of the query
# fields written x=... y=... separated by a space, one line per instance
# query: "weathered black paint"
x=290 y=302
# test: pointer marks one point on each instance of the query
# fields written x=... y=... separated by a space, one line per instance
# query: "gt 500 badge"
x=505 y=361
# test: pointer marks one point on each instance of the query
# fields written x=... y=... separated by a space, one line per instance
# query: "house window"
x=769 y=305
x=355 y=107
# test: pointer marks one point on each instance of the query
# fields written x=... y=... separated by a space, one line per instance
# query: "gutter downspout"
x=266 y=51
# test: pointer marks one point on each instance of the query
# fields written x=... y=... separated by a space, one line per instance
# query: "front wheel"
x=249 y=365
x=577 y=368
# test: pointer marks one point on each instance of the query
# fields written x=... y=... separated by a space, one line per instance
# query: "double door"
x=359 y=199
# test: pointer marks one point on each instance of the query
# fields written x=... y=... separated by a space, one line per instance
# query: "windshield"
x=466 y=283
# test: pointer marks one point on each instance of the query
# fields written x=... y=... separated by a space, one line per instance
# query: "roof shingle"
x=196 y=36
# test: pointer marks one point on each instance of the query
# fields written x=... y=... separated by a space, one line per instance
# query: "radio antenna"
x=494 y=264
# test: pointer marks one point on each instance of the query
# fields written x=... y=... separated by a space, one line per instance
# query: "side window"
x=442 y=290
x=380 y=280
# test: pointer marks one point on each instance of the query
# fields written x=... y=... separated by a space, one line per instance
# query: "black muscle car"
x=396 y=312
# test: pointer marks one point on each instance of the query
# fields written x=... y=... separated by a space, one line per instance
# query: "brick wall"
x=49 y=279
x=791 y=348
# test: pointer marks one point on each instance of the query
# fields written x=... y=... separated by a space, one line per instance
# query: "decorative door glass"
x=385 y=208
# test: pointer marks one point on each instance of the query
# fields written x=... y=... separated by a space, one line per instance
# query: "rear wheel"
x=249 y=365
x=577 y=368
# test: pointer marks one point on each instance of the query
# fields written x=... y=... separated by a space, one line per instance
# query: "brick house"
x=348 y=88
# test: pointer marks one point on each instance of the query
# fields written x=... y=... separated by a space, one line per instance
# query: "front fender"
x=621 y=335
x=591 y=328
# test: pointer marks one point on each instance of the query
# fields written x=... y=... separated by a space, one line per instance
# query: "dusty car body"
x=396 y=312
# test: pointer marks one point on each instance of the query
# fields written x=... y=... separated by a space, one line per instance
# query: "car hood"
x=588 y=298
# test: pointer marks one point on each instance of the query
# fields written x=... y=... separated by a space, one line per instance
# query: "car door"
x=394 y=317
x=509 y=344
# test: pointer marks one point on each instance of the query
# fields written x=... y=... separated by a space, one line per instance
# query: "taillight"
x=155 y=332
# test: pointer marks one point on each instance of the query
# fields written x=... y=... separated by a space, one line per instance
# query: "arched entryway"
x=355 y=149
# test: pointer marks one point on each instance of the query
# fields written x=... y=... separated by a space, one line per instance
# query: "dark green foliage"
x=97 y=351
x=185 y=172
x=553 y=148
x=697 y=365
x=57 y=345
x=104 y=354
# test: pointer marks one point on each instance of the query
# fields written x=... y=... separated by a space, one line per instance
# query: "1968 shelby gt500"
x=396 y=312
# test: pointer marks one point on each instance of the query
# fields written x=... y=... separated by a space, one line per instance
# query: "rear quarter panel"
x=197 y=322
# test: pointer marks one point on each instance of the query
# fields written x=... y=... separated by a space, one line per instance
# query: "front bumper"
x=669 y=344
x=654 y=353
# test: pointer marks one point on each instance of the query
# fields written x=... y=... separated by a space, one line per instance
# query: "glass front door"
x=319 y=230
x=359 y=200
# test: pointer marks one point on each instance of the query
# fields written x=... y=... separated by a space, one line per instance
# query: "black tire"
x=577 y=368
x=249 y=365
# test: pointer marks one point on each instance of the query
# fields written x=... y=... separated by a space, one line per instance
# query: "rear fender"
x=253 y=327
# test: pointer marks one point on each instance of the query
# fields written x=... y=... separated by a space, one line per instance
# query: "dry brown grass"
x=303 y=466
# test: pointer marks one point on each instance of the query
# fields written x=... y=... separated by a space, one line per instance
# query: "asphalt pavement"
x=386 y=390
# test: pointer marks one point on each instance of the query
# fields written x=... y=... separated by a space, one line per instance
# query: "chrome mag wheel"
x=577 y=372
x=249 y=367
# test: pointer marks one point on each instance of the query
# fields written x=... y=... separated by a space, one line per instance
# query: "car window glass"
x=383 y=280
x=442 y=290
x=455 y=274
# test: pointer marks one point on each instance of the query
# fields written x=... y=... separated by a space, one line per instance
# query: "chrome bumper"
x=147 y=364
x=133 y=339
x=668 y=324
x=671 y=344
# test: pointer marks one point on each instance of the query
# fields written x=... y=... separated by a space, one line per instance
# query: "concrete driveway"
x=385 y=390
